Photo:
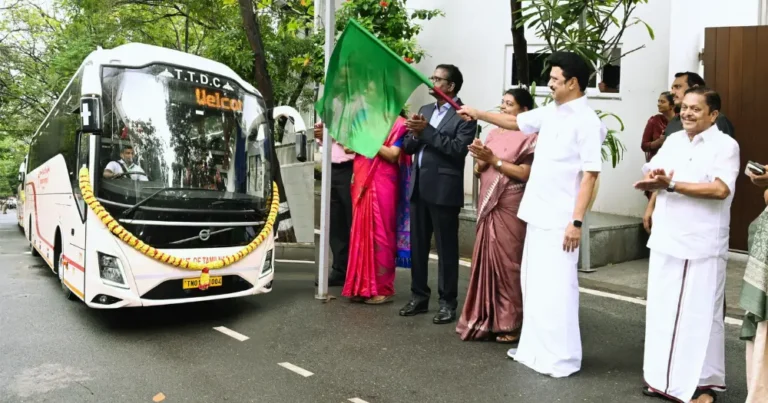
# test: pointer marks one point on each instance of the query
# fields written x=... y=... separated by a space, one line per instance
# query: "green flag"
x=366 y=86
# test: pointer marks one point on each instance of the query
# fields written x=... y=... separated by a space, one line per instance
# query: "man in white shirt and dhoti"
x=694 y=175
x=567 y=163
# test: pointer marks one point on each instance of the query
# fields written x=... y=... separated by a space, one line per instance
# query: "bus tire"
x=68 y=294
x=57 y=253
x=32 y=248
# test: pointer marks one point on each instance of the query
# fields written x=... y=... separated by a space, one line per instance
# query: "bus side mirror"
x=301 y=146
x=90 y=114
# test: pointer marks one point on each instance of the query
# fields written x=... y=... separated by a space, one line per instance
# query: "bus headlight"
x=111 y=271
x=267 y=263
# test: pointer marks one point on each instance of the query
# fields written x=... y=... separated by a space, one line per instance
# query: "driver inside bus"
x=119 y=168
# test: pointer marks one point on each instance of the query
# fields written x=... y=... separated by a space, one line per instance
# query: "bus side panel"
x=73 y=248
x=51 y=208
x=20 y=206
x=41 y=210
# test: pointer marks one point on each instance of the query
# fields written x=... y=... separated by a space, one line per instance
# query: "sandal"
x=507 y=339
x=653 y=393
x=379 y=300
x=701 y=392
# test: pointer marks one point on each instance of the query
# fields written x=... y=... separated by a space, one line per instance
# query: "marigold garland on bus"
x=131 y=240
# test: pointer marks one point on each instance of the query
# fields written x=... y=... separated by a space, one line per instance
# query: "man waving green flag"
x=366 y=86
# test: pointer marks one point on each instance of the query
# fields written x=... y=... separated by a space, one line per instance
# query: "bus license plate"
x=195 y=282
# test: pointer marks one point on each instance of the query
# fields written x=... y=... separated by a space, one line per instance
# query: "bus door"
x=73 y=225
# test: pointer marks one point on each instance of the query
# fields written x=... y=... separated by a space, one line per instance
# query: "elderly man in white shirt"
x=567 y=163
x=695 y=175
x=119 y=169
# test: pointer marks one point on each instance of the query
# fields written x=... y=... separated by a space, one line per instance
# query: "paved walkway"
x=631 y=279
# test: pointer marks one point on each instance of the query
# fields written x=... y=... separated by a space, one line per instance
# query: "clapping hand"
x=480 y=152
x=655 y=180
x=416 y=123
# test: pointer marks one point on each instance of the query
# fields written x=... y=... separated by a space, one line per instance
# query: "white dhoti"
x=550 y=342
x=685 y=329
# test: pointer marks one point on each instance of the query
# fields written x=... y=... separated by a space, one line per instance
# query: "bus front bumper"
x=171 y=292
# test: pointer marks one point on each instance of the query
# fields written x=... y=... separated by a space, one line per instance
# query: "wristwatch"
x=498 y=164
x=577 y=223
x=671 y=187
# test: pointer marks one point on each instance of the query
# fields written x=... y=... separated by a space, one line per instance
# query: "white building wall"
x=475 y=38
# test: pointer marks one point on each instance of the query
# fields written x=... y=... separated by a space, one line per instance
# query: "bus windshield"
x=182 y=145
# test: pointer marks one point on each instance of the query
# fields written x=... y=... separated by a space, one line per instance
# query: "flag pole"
x=323 y=263
x=446 y=98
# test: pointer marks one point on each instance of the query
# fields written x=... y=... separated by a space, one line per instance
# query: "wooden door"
x=735 y=62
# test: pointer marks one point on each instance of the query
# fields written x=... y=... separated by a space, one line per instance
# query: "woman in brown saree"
x=494 y=304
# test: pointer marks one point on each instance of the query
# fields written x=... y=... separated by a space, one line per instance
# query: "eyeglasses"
x=435 y=79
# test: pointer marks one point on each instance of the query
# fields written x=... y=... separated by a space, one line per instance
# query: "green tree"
x=394 y=24
x=592 y=29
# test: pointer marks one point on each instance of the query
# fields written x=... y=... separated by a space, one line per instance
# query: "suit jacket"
x=722 y=122
x=440 y=178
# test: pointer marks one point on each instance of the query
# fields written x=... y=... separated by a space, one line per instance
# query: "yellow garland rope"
x=131 y=240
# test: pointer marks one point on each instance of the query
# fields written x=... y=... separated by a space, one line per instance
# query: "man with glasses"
x=439 y=141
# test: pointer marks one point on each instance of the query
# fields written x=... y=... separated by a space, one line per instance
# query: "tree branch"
x=299 y=87
x=624 y=54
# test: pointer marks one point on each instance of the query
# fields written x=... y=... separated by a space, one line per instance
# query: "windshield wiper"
x=146 y=199
x=133 y=208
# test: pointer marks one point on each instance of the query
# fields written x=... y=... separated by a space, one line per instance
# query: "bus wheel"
x=34 y=251
x=60 y=268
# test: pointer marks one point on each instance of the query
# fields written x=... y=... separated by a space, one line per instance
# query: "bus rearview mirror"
x=301 y=146
x=90 y=114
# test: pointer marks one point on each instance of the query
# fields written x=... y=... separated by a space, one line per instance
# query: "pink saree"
x=494 y=303
x=373 y=243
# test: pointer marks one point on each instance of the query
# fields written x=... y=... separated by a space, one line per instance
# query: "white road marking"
x=295 y=261
x=231 y=333
x=634 y=300
x=461 y=262
x=357 y=400
x=301 y=371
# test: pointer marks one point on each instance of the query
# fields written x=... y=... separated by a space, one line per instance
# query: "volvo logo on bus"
x=205 y=235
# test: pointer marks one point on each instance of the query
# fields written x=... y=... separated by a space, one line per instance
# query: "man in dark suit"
x=439 y=141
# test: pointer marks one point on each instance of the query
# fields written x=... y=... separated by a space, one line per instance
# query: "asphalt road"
x=53 y=350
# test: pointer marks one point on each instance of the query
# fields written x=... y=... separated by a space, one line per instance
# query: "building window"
x=606 y=81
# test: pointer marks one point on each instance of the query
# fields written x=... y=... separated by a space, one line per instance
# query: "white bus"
x=177 y=150
x=20 y=195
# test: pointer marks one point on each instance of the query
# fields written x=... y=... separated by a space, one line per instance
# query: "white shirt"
x=688 y=227
x=117 y=168
x=570 y=142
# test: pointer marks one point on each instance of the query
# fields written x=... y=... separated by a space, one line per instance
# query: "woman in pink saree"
x=494 y=304
x=379 y=241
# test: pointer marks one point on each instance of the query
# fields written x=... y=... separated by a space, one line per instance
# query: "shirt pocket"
x=698 y=166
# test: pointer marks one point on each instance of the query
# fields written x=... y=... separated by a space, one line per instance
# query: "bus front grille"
x=173 y=289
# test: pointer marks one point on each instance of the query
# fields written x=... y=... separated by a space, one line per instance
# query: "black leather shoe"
x=334 y=280
x=444 y=315
x=413 y=308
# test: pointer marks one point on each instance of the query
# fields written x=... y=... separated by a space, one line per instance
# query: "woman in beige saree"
x=494 y=304
x=754 y=300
